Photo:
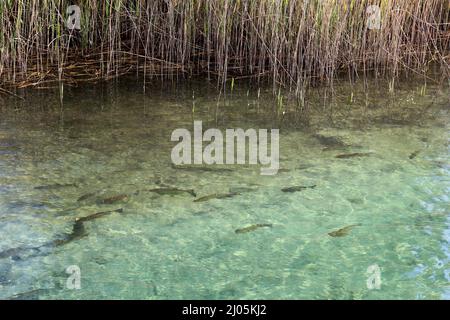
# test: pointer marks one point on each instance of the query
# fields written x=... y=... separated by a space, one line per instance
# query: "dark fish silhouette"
x=114 y=199
x=253 y=227
x=216 y=196
x=98 y=215
x=56 y=186
x=87 y=196
x=78 y=232
x=297 y=188
x=241 y=189
x=343 y=231
x=414 y=154
x=353 y=155
x=29 y=295
x=330 y=141
x=172 y=191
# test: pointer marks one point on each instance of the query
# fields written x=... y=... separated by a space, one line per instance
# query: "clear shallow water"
x=114 y=139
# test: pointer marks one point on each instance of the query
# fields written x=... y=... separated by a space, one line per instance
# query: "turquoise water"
x=109 y=140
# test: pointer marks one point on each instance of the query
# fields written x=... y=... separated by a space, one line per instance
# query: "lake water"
x=114 y=140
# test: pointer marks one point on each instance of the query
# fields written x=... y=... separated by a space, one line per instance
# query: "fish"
x=19 y=253
x=98 y=215
x=414 y=154
x=342 y=148
x=297 y=188
x=66 y=212
x=304 y=167
x=78 y=232
x=391 y=121
x=201 y=168
x=55 y=186
x=353 y=155
x=114 y=199
x=216 y=196
x=87 y=196
x=253 y=227
x=241 y=189
x=330 y=141
x=29 y=295
x=172 y=191
x=343 y=231
x=335 y=148
x=10 y=252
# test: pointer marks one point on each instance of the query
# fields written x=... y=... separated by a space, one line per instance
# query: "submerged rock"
x=297 y=188
x=343 y=231
x=253 y=227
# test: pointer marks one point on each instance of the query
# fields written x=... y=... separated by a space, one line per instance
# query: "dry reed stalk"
x=292 y=43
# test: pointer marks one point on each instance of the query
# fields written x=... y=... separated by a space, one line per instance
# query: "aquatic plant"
x=293 y=43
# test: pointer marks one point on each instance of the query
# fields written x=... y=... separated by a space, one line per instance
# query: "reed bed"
x=289 y=43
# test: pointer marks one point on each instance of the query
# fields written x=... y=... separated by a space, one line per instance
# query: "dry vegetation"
x=293 y=43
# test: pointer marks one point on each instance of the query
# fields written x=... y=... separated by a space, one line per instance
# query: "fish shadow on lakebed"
x=78 y=232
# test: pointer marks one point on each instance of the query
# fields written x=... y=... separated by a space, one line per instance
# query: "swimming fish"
x=216 y=196
x=78 y=232
x=241 y=189
x=20 y=252
x=343 y=231
x=55 y=186
x=342 y=147
x=114 y=199
x=414 y=154
x=330 y=141
x=297 y=188
x=353 y=155
x=98 y=215
x=253 y=227
x=172 y=191
x=29 y=295
x=86 y=196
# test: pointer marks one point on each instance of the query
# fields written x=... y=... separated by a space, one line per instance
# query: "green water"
x=115 y=139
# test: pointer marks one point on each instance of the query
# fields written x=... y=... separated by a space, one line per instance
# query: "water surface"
x=108 y=140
